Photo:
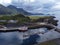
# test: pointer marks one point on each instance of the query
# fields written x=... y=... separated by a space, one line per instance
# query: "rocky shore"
x=51 y=42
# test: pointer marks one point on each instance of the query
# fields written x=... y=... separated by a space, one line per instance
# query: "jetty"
x=34 y=26
x=11 y=29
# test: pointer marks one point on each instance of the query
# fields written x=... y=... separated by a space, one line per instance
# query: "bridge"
x=25 y=28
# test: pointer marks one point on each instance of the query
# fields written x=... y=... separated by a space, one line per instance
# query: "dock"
x=20 y=29
x=34 y=26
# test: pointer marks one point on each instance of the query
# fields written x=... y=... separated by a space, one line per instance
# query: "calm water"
x=16 y=38
x=28 y=38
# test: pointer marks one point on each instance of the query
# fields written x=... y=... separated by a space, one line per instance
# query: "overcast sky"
x=34 y=5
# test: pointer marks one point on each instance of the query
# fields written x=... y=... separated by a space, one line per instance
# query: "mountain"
x=22 y=11
x=4 y=10
x=19 y=10
x=12 y=10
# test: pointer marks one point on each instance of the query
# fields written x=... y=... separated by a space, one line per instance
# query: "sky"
x=35 y=6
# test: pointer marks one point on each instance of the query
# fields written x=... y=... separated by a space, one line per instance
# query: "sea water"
x=31 y=37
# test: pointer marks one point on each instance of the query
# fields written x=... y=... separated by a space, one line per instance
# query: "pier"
x=34 y=26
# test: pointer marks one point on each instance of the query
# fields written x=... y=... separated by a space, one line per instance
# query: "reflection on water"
x=33 y=36
x=9 y=38
x=31 y=40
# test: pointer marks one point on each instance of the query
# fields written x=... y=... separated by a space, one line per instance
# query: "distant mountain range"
x=10 y=10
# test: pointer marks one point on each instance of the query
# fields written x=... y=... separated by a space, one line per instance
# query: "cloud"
x=34 y=5
x=42 y=8
x=39 y=5
x=56 y=6
x=5 y=2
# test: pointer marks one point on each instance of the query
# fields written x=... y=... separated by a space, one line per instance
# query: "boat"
x=23 y=29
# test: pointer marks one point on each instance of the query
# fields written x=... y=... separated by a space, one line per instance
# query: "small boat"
x=23 y=29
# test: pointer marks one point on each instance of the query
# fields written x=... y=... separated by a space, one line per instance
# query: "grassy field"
x=37 y=17
x=34 y=17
